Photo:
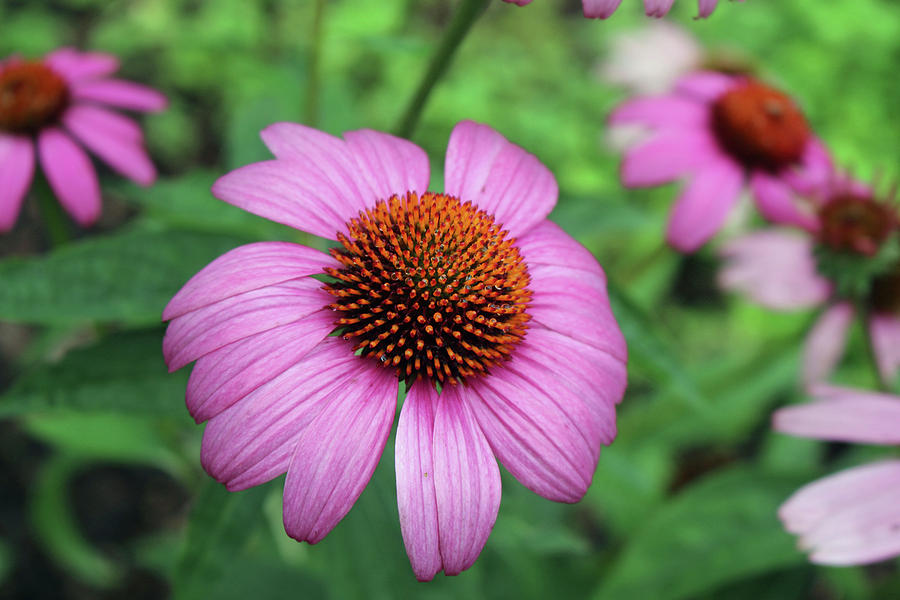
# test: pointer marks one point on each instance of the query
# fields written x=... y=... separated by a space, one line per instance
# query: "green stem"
x=313 y=84
x=55 y=220
x=864 y=318
x=466 y=15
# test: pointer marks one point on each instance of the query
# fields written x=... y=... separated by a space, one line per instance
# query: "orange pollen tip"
x=438 y=265
x=32 y=96
x=760 y=126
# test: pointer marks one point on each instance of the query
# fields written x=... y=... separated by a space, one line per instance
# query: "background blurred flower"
x=602 y=9
x=54 y=103
x=852 y=517
x=432 y=289
x=719 y=131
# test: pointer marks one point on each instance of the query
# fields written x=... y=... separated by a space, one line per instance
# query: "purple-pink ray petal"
x=825 y=343
x=659 y=112
x=228 y=374
x=109 y=121
x=519 y=2
x=778 y=203
x=498 y=177
x=704 y=204
x=657 y=8
x=815 y=171
x=414 y=466
x=121 y=94
x=775 y=268
x=389 y=165
x=884 y=329
x=844 y=416
x=246 y=268
x=599 y=9
x=199 y=332
x=16 y=172
x=706 y=85
x=253 y=440
x=71 y=175
x=849 y=518
x=336 y=455
x=706 y=7
x=111 y=140
x=77 y=66
x=669 y=155
x=547 y=244
x=466 y=482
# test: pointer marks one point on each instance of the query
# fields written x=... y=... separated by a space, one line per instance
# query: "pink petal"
x=109 y=121
x=121 y=94
x=71 y=175
x=599 y=9
x=77 y=66
x=518 y=3
x=706 y=85
x=246 y=268
x=845 y=416
x=113 y=141
x=253 y=440
x=228 y=374
x=662 y=112
x=816 y=169
x=667 y=156
x=16 y=172
x=707 y=7
x=343 y=178
x=500 y=178
x=466 y=481
x=775 y=268
x=198 y=333
x=778 y=203
x=704 y=205
x=336 y=455
x=825 y=343
x=885 y=331
x=547 y=244
x=414 y=465
x=657 y=8
x=849 y=518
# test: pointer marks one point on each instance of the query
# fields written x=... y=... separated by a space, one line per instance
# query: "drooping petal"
x=826 y=341
x=661 y=112
x=113 y=141
x=16 y=172
x=414 y=465
x=253 y=440
x=599 y=9
x=499 y=177
x=668 y=155
x=849 y=518
x=844 y=415
x=246 y=268
x=706 y=85
x=657 y=8
x=885 y=331
x=704 y=204
x=775 y=268
x=76 y=66
x=199 y=332
x=71 y=175
x=226 y=375
x=336 y=455
x=778 y=203
x=121 y=94
x=706 y=7
x=466 y=481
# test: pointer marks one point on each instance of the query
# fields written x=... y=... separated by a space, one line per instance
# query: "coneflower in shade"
x=852 y=517
x=847 y=260
x=602 y=9
x=720 y=133
x=496 y=320
x=60 y=105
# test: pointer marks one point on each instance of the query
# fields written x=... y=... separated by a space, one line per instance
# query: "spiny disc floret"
x=32 y=95
x=430 y=287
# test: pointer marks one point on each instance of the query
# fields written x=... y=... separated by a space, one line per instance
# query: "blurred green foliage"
x=683 y=504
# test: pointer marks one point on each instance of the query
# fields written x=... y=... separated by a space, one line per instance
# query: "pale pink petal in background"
x=704 y=204
x=825 y=343
x=885 y=331
x=16 y=172
x=71 y=175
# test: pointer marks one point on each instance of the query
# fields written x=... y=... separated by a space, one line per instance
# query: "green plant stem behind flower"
x=311 y=106
x=466 y=15
x=59 y=232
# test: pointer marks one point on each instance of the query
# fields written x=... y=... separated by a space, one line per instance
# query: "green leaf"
x=127 y=277
x=718 y=531
x=124 y=373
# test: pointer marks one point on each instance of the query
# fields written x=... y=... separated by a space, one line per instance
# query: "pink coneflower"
x=59 y=104
x=853 y=517
x=721 y=132
x=497 y=321
x=602 y=9
x=850 y=264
